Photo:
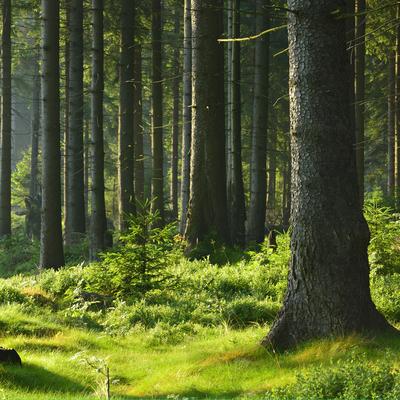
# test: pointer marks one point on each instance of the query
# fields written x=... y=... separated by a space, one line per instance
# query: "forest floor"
x=215 y=363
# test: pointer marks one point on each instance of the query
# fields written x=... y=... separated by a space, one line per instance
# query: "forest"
x=200 y=199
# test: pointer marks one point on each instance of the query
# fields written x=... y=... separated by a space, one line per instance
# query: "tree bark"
x=391 y=125
x=51 y=249
x=237 y=208
x=98 y=208
x=360 y=92
x=126 y=124
x=328 y=289
x=157 y=182
x=76 y=217
x=208 y=200
x=258 y=176
x=5 y=166
x=175 y=119
x=138 y=125
x=397 y=104
x=186 y=116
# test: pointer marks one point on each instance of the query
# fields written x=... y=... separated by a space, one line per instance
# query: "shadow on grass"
x=31 y=377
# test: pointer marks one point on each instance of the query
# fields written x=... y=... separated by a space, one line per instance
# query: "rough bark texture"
x=258 y=178
x=391 y=124
x=75 y=220
x=126 y=135
x=5 y=166
x=398 y=109
x=138 y=125
x=51 y=249
x=98 y=222
x=360 y=92
x=186 y=116
x=175 y=119
x=237 y=208
x=208 y=201
x=157 y=186
x=328 y=288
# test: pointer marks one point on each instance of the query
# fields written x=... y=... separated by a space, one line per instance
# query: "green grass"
x=215 y=362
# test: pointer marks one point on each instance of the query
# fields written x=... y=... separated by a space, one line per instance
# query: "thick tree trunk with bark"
x=98 y=222
x=237 y=208
x=138 y=125
x=328 y=289
x=5 y=166
x=126 y=125
x=157 y=182
x=398 y=109
x=208 y=200
x=75 y=220
x=391 y=124
x=175 y=119
x=258 y=178
x=51 y=249
x=360 y=92
x=186 y=116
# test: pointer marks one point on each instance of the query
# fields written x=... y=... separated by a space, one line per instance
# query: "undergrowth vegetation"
x=145 y=288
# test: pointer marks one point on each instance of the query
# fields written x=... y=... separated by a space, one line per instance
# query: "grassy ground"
x=214 y=363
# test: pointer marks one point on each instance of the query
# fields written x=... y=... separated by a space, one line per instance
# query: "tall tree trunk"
x=138 y=125
x=391 y=125
x=271 y=193
x=186 y=116
x=175 y=119
x=258 y=177
x=5 y=167
x=51 y=249
x=98 y=208
x=208 y=200
x=76 y=217
x=228 y=138
x=398 y=109
x=328 y=290
x=126 y=134
x=66 y=116
x=360 y=92
x=237 y=208
x=157 y=187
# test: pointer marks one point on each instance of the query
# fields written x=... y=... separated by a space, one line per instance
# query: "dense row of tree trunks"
x=258 y=176
x=391 y=124
x=98 y=222
x=208 y=199
x=236 y=202
x=126 y=123
x=175 y=119
x=5 y=166
x=138 y=124
x=329 y=274
x=360 y=23
x=75 y=205
x=157 y=183
x=186 y=114
x=51 y=249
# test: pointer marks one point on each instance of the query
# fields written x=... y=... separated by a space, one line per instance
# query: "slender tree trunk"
x=86 y=163
x=175 y=119
x=126 y=124
x=5 y=167
x=187 y=115
x=360 y=92
x=258 y=178
x=271 y=193
x=229 y=52
x=66 y=117
x=391 y=125
x=138 y=125
x=398 y=110
x=51 y=249
x=328 y=289
x=98 y=208
x=208 y=200
x=237 y=209
x=157 y=187
x=75 y=221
